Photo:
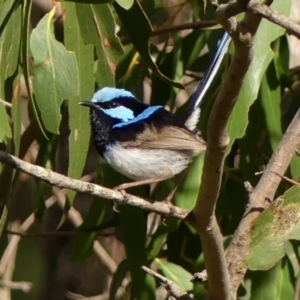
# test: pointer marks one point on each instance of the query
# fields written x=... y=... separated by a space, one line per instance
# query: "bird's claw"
x=120 y=189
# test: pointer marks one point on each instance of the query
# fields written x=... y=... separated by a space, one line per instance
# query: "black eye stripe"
x=108 y=105
x=136 y=106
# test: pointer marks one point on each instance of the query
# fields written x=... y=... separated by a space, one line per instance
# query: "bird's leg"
x=169 y=198
x=125 y=186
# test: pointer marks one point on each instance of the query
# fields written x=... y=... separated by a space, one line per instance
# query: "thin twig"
x=24 y=286
x=5 y=103
x=174 y=290
x=62 y=181
x=281 y=176
x=5 y=290
x=180 y=27
x=273 y=16
x=68 y=233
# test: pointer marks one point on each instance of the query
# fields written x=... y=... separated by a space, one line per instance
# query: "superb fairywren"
x=148 y=143
x=145 y=143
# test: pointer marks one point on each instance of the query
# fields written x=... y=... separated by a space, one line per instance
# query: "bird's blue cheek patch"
x=120 y=112
x=144 y=115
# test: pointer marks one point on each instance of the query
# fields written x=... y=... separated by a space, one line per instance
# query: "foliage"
x=70 y=53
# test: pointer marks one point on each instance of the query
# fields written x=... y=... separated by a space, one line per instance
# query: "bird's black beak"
x=88 y=103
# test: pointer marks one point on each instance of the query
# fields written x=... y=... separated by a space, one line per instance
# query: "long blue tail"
x=209 y=74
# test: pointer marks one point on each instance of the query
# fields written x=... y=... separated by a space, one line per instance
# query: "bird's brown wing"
x=168 y=138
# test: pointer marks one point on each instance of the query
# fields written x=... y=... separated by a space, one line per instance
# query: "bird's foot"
x=168 y=201
x=120 y=188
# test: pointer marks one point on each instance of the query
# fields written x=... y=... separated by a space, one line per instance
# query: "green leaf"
x=277 y=224
x=55 y=72
x=270 y=98
x=275 y=284
x=17 y=115
x=134 y=238
x=10 y=37
x=266 y=34
x=175 y=273
x=97 y=26
x=158 y=239
x=140 y=35
x=118 y=278
x=187 y=193
x=79 y=124
x=84 y=238
x=126 y=4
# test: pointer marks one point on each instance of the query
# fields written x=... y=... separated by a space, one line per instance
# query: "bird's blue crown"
x=121 y=104
x=108 y=93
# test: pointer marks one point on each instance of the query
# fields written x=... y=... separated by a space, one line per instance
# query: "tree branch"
x=273 y=16
x=89 y=188
x=260 y=199
x=174 y=290
x=185 y=26
x=202 y=216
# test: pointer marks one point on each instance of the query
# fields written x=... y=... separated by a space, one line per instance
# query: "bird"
x=147 y=144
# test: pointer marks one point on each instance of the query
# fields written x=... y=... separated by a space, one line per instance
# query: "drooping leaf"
x=266 y=34
x=270 y=98
x=275 y=283
x=79 y=138
x=134 y=238
x=118 y=278
x=140 y=35
x=26 y=61
x=187 y=192
x=84 y=239
x=97 y=26
x=175 y=273
x=10 y=37
x=277 y=224
x=55 y=72
x=126 y=4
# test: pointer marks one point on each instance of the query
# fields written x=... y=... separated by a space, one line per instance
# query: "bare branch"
x=192 y=25
x=260 y=200
x=174 y=290
x=17 y=285
x=89 y=188
x=273 y=16
x=5 y=103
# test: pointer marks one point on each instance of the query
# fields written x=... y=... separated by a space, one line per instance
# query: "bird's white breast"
x=140 y=164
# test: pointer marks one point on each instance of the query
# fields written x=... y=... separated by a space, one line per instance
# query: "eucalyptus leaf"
x=279 y=223
x=267 y=33
x=175 y=273
x=55 y=73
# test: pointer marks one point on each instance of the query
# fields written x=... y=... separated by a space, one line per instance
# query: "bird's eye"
x=113 y=104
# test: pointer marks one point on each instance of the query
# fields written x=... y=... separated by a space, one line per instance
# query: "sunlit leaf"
x=79 y=124
x=278 y=223
x=55 y=72
x=175 y=273
x=97 y=26
x=126 y=4
x=266 y=34
x=270 y=98
x=10 y=37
